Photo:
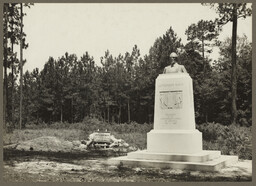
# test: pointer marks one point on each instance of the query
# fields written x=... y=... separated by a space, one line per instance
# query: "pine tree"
x=201 y=34
x=231 y=12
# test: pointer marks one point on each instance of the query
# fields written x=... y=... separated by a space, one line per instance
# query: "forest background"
x=71 y=88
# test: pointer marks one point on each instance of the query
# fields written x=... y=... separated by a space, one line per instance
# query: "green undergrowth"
x=230 y=140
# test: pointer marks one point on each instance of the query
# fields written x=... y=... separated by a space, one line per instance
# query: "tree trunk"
x=108 y=113
x=119 y=114
x=37 y=117
x=72 y=110
x=12 y=104
x=128 y=108
x=149 y=115
x=61 y=112
x=21 y=62
x=234 y=73
x=12 y=77
x=50 y=121
x=5 y=88
x=104 y=119
x=83 y=113
x=203 y=55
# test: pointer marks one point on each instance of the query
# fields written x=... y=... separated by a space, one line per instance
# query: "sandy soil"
x=48 y=159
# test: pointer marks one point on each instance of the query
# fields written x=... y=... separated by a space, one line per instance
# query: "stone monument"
x=174 y=141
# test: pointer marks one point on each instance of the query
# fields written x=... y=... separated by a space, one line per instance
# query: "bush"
x=230 y=140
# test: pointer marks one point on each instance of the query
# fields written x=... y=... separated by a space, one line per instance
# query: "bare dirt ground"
x=22 y=163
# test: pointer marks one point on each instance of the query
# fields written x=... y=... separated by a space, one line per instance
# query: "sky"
x=53 y=29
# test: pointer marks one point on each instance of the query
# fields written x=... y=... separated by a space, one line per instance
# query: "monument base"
x=202 y=161
x=174 y=141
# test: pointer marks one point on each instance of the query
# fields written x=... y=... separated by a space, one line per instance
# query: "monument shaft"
x=174 y=120
x=174 y=104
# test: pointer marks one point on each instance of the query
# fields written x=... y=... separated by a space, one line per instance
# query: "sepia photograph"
x=127 y=92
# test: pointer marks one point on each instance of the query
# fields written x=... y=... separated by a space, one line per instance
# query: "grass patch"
x=230 y=140
x=27 y=134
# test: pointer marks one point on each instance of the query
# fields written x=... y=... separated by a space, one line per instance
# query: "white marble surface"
x=174 y=121
x=174 y=141
x=174 y=102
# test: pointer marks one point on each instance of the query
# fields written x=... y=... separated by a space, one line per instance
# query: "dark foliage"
x=121 y=90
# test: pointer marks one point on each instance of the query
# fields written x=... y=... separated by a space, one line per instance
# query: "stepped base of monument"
x=202 y=161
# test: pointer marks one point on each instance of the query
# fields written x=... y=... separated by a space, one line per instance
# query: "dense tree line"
x=121 y=89
x=69 y=89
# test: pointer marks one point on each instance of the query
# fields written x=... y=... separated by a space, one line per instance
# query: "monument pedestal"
x=175 y=142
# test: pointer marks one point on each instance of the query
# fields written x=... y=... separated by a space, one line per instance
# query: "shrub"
x=230 y=140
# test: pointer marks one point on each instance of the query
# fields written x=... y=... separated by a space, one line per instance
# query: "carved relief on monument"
x=171 y=99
